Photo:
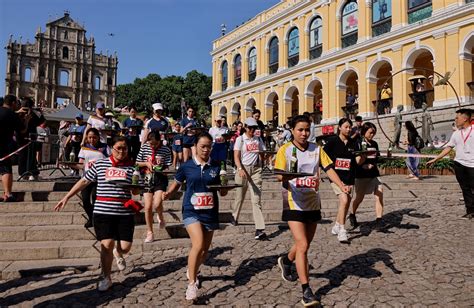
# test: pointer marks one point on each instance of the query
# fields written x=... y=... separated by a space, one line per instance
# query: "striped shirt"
x=104 y=173
x=164 y=153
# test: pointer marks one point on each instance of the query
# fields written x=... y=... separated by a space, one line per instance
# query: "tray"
x=231 y=186
x=295 y=174
x=364 y=152
x=131 y=186
x=268 y=152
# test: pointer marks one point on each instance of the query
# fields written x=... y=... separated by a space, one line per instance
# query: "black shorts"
x=301 y=216
x=6 y=166
x=160 y=182
x=188 y=145
x=117 y=227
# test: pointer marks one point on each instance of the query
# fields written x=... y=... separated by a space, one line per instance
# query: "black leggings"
x=88 y=198
x=465 y=177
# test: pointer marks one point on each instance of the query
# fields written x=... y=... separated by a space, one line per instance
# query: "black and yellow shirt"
x=301 y=194
x=342 y=155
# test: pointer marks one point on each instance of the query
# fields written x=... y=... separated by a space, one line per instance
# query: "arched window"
x=65 y=52
x=293 y=47
x=273 y=56
x=419 y=10
x=224 y=76
x=64 y=78
x=349 y=23
x=28 y=74
x=381 y=17
x=252 y=64
x=98 y=83
x=237 y=70
x=316 y=38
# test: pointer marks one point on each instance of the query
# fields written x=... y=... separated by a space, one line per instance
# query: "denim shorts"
x=208 y=226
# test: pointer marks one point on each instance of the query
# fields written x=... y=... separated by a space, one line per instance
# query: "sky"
x=167 y=37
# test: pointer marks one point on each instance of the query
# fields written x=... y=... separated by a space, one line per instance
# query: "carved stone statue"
x=426 y=125
x=397 y=124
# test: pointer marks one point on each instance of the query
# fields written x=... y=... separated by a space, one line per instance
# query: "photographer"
x=11 y=124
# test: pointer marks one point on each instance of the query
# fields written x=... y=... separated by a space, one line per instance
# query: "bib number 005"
x=309 y=182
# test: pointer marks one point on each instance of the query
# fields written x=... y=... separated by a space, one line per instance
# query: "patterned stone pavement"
x=423 y=258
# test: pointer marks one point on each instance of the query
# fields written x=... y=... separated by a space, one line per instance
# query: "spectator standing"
x=355 y=132
x=76 y=135
x=414 y=147
x=386 y=97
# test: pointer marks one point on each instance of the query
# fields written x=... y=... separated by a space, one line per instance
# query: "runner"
x=152 y=156
x=157 y=123
x=133 y=132
x=367 y=175
x=97 y=121
x=219 y=145
x=200 y=206
x=301 y=200
x=113 y=219
x=189 y=137
x=248 y=161
x=340 y=149
x=91 y=152
x=177 y=146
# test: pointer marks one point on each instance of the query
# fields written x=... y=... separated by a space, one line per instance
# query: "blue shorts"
x=208 y=226
x=177 y=148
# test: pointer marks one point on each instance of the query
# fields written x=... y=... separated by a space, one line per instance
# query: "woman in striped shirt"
x=113 y=221
x=153 y=155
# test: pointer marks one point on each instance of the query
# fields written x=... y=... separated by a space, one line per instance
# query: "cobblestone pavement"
x=423 y=257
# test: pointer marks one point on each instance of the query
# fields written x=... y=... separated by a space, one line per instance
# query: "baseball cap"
x=157 y=106
x=100 y=105
x=80 y=116
x=250 y=122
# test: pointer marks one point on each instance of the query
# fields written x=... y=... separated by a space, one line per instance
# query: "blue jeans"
x=413 y=162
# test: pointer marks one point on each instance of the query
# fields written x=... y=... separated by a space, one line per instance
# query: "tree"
x=195 y=88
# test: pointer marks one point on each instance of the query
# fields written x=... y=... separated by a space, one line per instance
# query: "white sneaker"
x=335 y=229
x=342 y=235
x=32 y=178
x=104 y=284
x=191 y=292
x=121 y=264
x=149 y=237
x=197 y=279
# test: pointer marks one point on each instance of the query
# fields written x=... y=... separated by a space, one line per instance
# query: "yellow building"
x=299 y=53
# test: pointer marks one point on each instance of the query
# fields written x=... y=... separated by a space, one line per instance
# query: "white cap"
x=251 y=122
x=157 y=106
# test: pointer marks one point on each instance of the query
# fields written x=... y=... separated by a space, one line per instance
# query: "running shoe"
x=191 y=292
x=353 y=221
x=233 y=221
x=335 y=229
x=468 y=216
x=104 y=284
x=342 y=236
x=309 y=299
x=88 y=224
x=260 y=235
x=10 y=198
x=149 y=237
x=286 y=271
x=197 y=278
x=121 y=264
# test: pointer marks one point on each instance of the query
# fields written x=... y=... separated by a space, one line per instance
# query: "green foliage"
x=400 y=163
x=195 y=88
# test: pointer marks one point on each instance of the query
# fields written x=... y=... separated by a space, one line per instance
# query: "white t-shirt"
x=90 y=156
x=463 y=142
x=250 y=148
x=98 y=123
x=217 y=132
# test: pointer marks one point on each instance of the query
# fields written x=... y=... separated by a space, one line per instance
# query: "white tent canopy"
x=67 y=114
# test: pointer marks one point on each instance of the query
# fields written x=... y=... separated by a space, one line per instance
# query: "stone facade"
x=61 y=64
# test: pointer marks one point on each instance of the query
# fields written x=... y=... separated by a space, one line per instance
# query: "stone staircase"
x=35 y=239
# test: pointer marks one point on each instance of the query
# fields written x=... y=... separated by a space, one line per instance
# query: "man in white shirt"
x=463 y=141
x=248 y=158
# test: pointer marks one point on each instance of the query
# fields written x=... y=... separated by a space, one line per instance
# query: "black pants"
x=465 y=177
x=88 y=198
x=27 y=160
x=134 y=147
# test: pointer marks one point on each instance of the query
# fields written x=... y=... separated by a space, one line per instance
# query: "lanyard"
x=462 y=135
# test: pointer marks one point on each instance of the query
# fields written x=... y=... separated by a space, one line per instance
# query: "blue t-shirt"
x=197 y=178
x=158 y=125
x=177 y=142
x=133 y=122
x=77 y=131
x=186 y=138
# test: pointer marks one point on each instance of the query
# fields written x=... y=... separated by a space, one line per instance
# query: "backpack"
x=419 y=143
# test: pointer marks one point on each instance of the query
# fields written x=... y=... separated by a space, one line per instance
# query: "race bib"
x=220 y=139
x=158 y=160
x=177 y=142
x=115 y=174
x=202 y=201
x=257 y=133
x=307 y=182
x=252 y=146
x=343 y=164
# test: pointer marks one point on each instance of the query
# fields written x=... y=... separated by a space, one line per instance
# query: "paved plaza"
x=423 y=257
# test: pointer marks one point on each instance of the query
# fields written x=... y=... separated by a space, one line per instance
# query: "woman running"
x=367 y=175
x=189 y=136
x=341 y=151
x=153 y=155
x=200 y=206
x=301 y=200
x=113 y=221
x=177 y=146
